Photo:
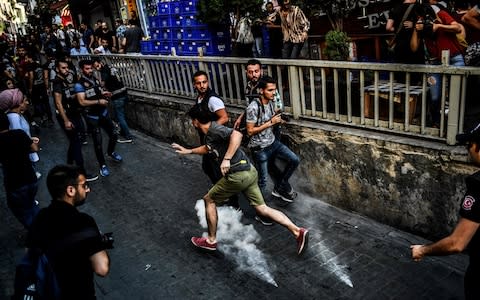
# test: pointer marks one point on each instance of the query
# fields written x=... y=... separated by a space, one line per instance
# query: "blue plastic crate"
x=162 y=46
x=189 y=21
x=196 y=33
x=178 y=34
x=176 y=20
x=176 y=7
x=164 y=21
x=189 y=6
x=166 y=34
x=164 y=8
x=153 y=22
x=202 y=33
x=154 y=33
x=146 y=47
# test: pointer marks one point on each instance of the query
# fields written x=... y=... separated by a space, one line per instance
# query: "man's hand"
x=107 y=94
x=417 y=252
x=69 y=125
x=225 y=166
x=180 y=149
x=236 y=125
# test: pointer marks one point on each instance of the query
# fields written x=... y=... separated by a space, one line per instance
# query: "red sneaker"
x=302 y=241
x=201 y=242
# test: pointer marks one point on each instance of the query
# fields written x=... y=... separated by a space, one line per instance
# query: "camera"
x=107 y=240
x=283 y=116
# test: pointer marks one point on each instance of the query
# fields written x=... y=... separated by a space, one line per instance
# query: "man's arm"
x=252 y=129
x=182 y=150
x=85 y=102
x=59 y=106
x=390 y=25
x=456 y=242
x=222 y=116
x=100 y=263
x=233 y=144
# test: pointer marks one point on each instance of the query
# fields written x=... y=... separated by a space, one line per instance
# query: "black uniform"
x=470 y=209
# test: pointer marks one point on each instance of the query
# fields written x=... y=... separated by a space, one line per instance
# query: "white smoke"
x=238 y=242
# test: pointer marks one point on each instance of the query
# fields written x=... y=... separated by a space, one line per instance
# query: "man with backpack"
x=237 y=175
x=70 y=239
x=261 y=118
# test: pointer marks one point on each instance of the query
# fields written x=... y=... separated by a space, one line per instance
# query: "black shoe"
x=264 y=220
x=287 y=197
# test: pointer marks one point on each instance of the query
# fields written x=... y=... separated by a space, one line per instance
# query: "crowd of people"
x=287 y=32
x=434 y=33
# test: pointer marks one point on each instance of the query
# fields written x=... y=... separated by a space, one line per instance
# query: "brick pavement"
x=148 y=202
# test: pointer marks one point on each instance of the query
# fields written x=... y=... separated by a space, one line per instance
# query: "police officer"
x=68 y=114
x=93 y=99
x=466 y=233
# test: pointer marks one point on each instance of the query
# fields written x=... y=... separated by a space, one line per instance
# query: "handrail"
x=340 y=92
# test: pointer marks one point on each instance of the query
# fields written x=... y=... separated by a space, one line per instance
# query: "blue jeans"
x=22 y=203
x=436 y=89
x=257 y=47
x=265 y=162
x=119 y=107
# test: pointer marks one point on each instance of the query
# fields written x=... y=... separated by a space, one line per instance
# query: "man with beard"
x=69 y=114
x=62 y=224
x=92 y=98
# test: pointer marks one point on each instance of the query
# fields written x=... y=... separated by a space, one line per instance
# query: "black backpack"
x=243 y=123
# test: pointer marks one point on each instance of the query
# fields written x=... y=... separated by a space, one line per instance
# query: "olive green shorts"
x=239 y=182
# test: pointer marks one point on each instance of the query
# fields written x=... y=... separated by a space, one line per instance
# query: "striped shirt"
x=295 y=24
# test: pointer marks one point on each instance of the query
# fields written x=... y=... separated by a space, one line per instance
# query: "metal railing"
x=385 y=97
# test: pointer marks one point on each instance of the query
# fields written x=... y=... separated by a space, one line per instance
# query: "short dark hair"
x=197 y=113
x=60 y=177
x=4 y=122
x=96 y=59
x=85 y=62
x=61 y=59
x=262 y=83
x=199 y=73
x=253 y=62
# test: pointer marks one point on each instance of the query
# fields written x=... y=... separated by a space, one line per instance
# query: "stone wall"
x=409 y=184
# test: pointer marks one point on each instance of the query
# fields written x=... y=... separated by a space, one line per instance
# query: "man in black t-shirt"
x=239 y=176
x=466 y=234
x=19 y=176
x=76 y=262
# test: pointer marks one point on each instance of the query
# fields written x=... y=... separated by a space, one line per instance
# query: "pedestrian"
x=78 y=49
x=15 y=104
x=93 y=99
x=238 y=175
x=207 y=100
x=37 y=91
x=20 y=181
x=466 y=233
x=295 y=26
x=401 y=21
x=69 y=115
x=261 y=117
x=109 y=36
x=120 y=29
x=274 y=32
x=133 y=36
x=75 y=264
x=88 y=37
x=111 y=81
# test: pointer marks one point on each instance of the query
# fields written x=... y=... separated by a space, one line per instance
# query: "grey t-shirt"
x=133 y=36
x=266 y=137
x=217 y=140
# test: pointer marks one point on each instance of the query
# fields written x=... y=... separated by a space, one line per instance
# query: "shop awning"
x=58 y=5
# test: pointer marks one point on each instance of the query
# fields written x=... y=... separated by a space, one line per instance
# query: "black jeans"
x=94 y=124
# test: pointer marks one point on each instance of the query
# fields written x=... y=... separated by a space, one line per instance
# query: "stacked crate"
x=176 y=27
